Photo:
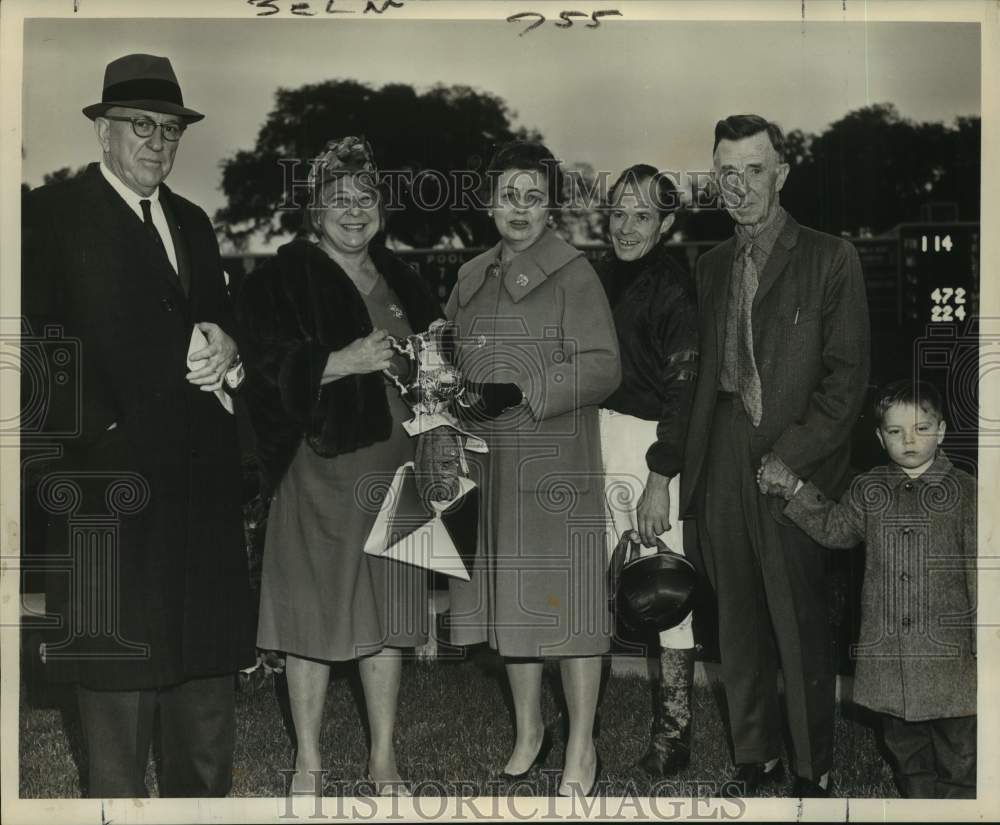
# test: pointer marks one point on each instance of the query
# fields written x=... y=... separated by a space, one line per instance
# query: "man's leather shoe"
x=803 y=788
x=749 y=778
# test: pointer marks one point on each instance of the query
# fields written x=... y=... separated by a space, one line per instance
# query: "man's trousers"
x=771 y=586
x=197 y=725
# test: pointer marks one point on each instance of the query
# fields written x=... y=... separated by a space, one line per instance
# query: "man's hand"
x=216 y=358
x=653 y=513
x=774 y=478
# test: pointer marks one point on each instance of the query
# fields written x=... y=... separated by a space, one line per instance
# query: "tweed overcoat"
x=811 y=345
x=538 y=587
x=146 y=560
x=914 y=658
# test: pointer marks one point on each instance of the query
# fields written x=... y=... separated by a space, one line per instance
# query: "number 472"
x=943 y=298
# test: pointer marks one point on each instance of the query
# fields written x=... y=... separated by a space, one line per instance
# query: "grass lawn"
x=455 y=732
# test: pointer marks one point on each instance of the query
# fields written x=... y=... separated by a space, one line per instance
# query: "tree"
x=581 y=220
x=422 y=136
x=59 y=175
x=870 y=171
x=873 y=169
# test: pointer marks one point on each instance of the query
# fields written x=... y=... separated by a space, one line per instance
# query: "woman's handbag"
x=649 y=593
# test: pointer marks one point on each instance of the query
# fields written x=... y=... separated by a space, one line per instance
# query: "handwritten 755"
x=566 y=17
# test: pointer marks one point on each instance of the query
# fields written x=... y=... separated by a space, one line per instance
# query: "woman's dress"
x=322 y=596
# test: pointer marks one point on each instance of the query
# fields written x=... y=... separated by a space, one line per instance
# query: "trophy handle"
x=403 y=348
x=391 y=377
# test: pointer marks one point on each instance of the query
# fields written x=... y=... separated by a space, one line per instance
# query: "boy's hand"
x=774 y=478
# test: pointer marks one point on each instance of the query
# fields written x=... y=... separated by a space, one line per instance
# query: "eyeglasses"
x=144 y=127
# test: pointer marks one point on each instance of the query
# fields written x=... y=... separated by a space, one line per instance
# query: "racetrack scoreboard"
x=939 y=322
x=939 y=273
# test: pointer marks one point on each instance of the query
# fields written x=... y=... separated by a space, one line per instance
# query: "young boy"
x=916 y=662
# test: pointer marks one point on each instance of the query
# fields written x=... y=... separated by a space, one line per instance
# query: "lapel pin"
x=521 y=280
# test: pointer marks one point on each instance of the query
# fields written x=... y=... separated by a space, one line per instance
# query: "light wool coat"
x=538 y=586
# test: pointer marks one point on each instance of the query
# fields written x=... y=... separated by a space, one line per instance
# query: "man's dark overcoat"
x=148 y=571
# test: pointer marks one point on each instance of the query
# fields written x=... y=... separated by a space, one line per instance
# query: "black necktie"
x=147 y=219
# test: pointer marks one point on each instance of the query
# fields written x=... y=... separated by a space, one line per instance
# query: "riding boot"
x=670 y=734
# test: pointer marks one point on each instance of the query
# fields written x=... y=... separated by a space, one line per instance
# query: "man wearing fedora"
x=154 y=613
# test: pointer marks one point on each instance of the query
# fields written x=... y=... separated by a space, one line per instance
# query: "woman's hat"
x=142 y=81
x=350 y=154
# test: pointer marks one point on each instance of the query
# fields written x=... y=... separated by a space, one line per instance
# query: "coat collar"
x=620 y=278
x=303 y=258
x=778 y=259
x=719 y=284
x=525 y=272
x=940 y=467
x=302 y=253
x=132 y=223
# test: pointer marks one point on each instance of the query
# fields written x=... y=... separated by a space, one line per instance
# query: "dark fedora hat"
x=142 y=81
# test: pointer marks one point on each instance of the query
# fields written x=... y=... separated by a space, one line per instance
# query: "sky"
x=623 y=93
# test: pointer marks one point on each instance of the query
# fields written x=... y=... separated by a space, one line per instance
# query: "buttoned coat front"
x=538 y=586
x=914 y=658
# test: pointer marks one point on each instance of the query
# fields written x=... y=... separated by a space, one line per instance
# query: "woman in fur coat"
x=329 y=433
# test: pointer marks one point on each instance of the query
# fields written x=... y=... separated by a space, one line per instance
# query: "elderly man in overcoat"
x=148 y=569
x=784 y=343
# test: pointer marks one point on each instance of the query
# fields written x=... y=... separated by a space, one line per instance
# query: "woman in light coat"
x=537 y=340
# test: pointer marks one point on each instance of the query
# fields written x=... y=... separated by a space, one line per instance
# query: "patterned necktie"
x=147 y=219
x=746 y=367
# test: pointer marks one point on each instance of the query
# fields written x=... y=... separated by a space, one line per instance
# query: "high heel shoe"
x=598 y=768
x=392 y=788
x=537 y=762
x=597 y=777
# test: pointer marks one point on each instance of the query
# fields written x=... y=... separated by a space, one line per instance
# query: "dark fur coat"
x=294 y=311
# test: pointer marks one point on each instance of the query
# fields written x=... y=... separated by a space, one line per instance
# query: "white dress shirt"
x=234 y=377
x=155 y=210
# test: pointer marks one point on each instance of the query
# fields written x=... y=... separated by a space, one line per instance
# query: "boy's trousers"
x=934 y=759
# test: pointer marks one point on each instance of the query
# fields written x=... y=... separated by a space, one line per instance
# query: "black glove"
x=483 y=401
